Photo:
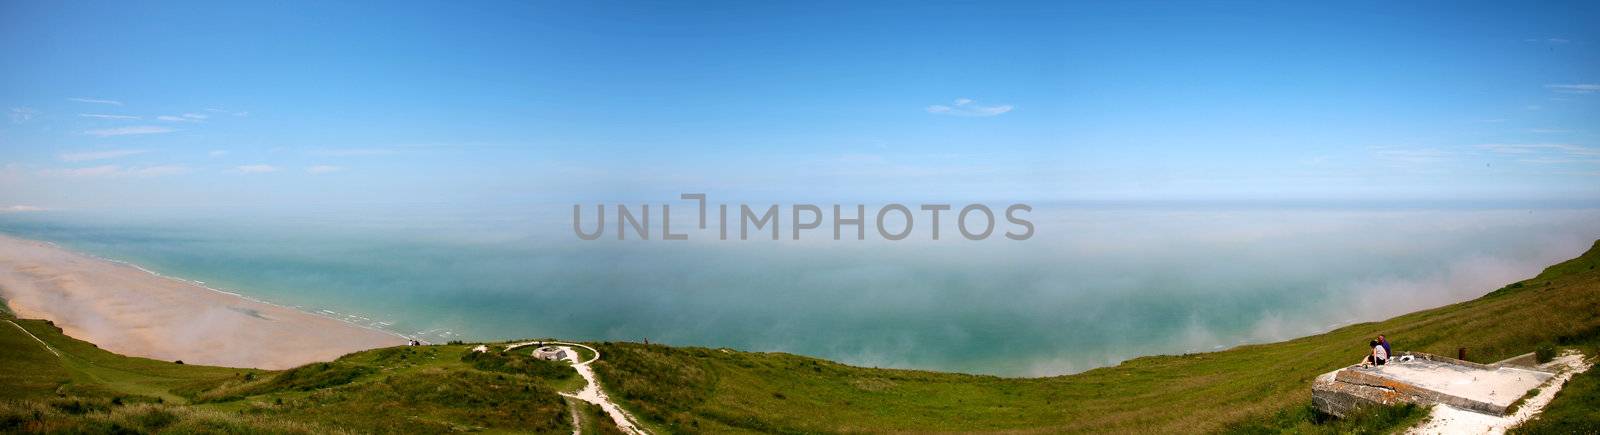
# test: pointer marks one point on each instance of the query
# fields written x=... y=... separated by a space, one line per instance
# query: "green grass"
x=427 y=389
x=1575 y=409
x=520 y=361
x=88 y=416
x=82 y=369
x=595 y=421
x=1307 y=420
x=30 y=371
x=697 y=389
x=1250 y=389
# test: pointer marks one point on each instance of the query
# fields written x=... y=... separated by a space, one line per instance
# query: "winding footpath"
x=591 y=391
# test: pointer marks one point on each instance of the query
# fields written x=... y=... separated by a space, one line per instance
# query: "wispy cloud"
x=1423 y=155
x=187 y=117
x=256 y=169
x=968 y=107
x=157 y=171
x=104 y=116
x=108 y=171
x=323 y=169
x=1541 y=147
x=20 y=209
x=1575 y=88
x=92 y=171
x=21 y=114
x=98 y=155
x=1547 y=153
x=1552 y=41
x=126 y=131
x=95 y=101
x=227 y=112
x=351 y=152
x=217 y=153
x=1549 y=130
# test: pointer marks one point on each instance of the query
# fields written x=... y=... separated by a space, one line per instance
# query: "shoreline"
x=128 y=309
x=202 y=284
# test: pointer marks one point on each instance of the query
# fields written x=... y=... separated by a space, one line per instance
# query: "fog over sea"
x=1098 y=283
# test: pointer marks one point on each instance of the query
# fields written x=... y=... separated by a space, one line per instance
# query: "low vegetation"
x=427 y=389
x=1306 y=419
x=101 y=416
x=1250 y=389
x=716 y=390
x=520 y=363
x=1575 y=410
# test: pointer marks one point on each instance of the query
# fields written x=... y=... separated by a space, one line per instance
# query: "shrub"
x=1545 y=352
x=519 y=363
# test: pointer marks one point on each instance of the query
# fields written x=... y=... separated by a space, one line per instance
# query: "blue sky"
x=137 y=104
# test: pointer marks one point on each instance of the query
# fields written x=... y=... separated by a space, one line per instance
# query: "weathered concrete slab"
x=1426 y=380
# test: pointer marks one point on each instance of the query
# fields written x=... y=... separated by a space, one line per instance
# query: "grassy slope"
x=434 y=389
x=85 y=370
x=689 y=389
x=402 y=389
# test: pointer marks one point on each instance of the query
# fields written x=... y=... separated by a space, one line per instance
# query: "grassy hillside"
x=401 y=389
x=66 y=385
x=1247 y=388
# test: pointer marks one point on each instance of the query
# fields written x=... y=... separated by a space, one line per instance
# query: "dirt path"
x=591 y=391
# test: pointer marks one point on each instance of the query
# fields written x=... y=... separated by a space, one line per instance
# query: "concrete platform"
x=1427 y=380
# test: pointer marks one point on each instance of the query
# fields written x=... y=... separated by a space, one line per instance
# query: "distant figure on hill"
x=1377 y=357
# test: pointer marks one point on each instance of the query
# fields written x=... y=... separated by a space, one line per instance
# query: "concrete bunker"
x=1426 y=380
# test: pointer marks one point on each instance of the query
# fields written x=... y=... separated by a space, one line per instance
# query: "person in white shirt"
x=1377 y=357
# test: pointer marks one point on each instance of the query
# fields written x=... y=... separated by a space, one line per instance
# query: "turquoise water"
x=1096 y=285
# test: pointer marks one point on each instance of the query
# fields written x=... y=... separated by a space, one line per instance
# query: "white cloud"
x=323 y=169
x=1575 y=88
x=187 y=117
x=968 y=107
x=98 y=155
x=125 y=131
x=20 y=209
x=1541 y=147
x=104 y=116
x=1424 y=155
x=22 y=114
x=92 y=171
x=1547 y=153
x=352 y=152
x=108 y=171
x=95 y=101
x=157 y=171
x=256 y=169
x=228 y=112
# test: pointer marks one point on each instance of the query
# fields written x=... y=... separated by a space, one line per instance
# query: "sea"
x=1097 y=283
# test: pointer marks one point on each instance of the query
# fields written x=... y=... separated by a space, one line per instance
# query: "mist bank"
x=1096 y=284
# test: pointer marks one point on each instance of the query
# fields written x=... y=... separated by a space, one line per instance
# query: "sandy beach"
x=129 y=311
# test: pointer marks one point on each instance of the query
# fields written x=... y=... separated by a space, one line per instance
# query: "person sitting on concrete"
x=1385 y=342
x=1377 y=357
